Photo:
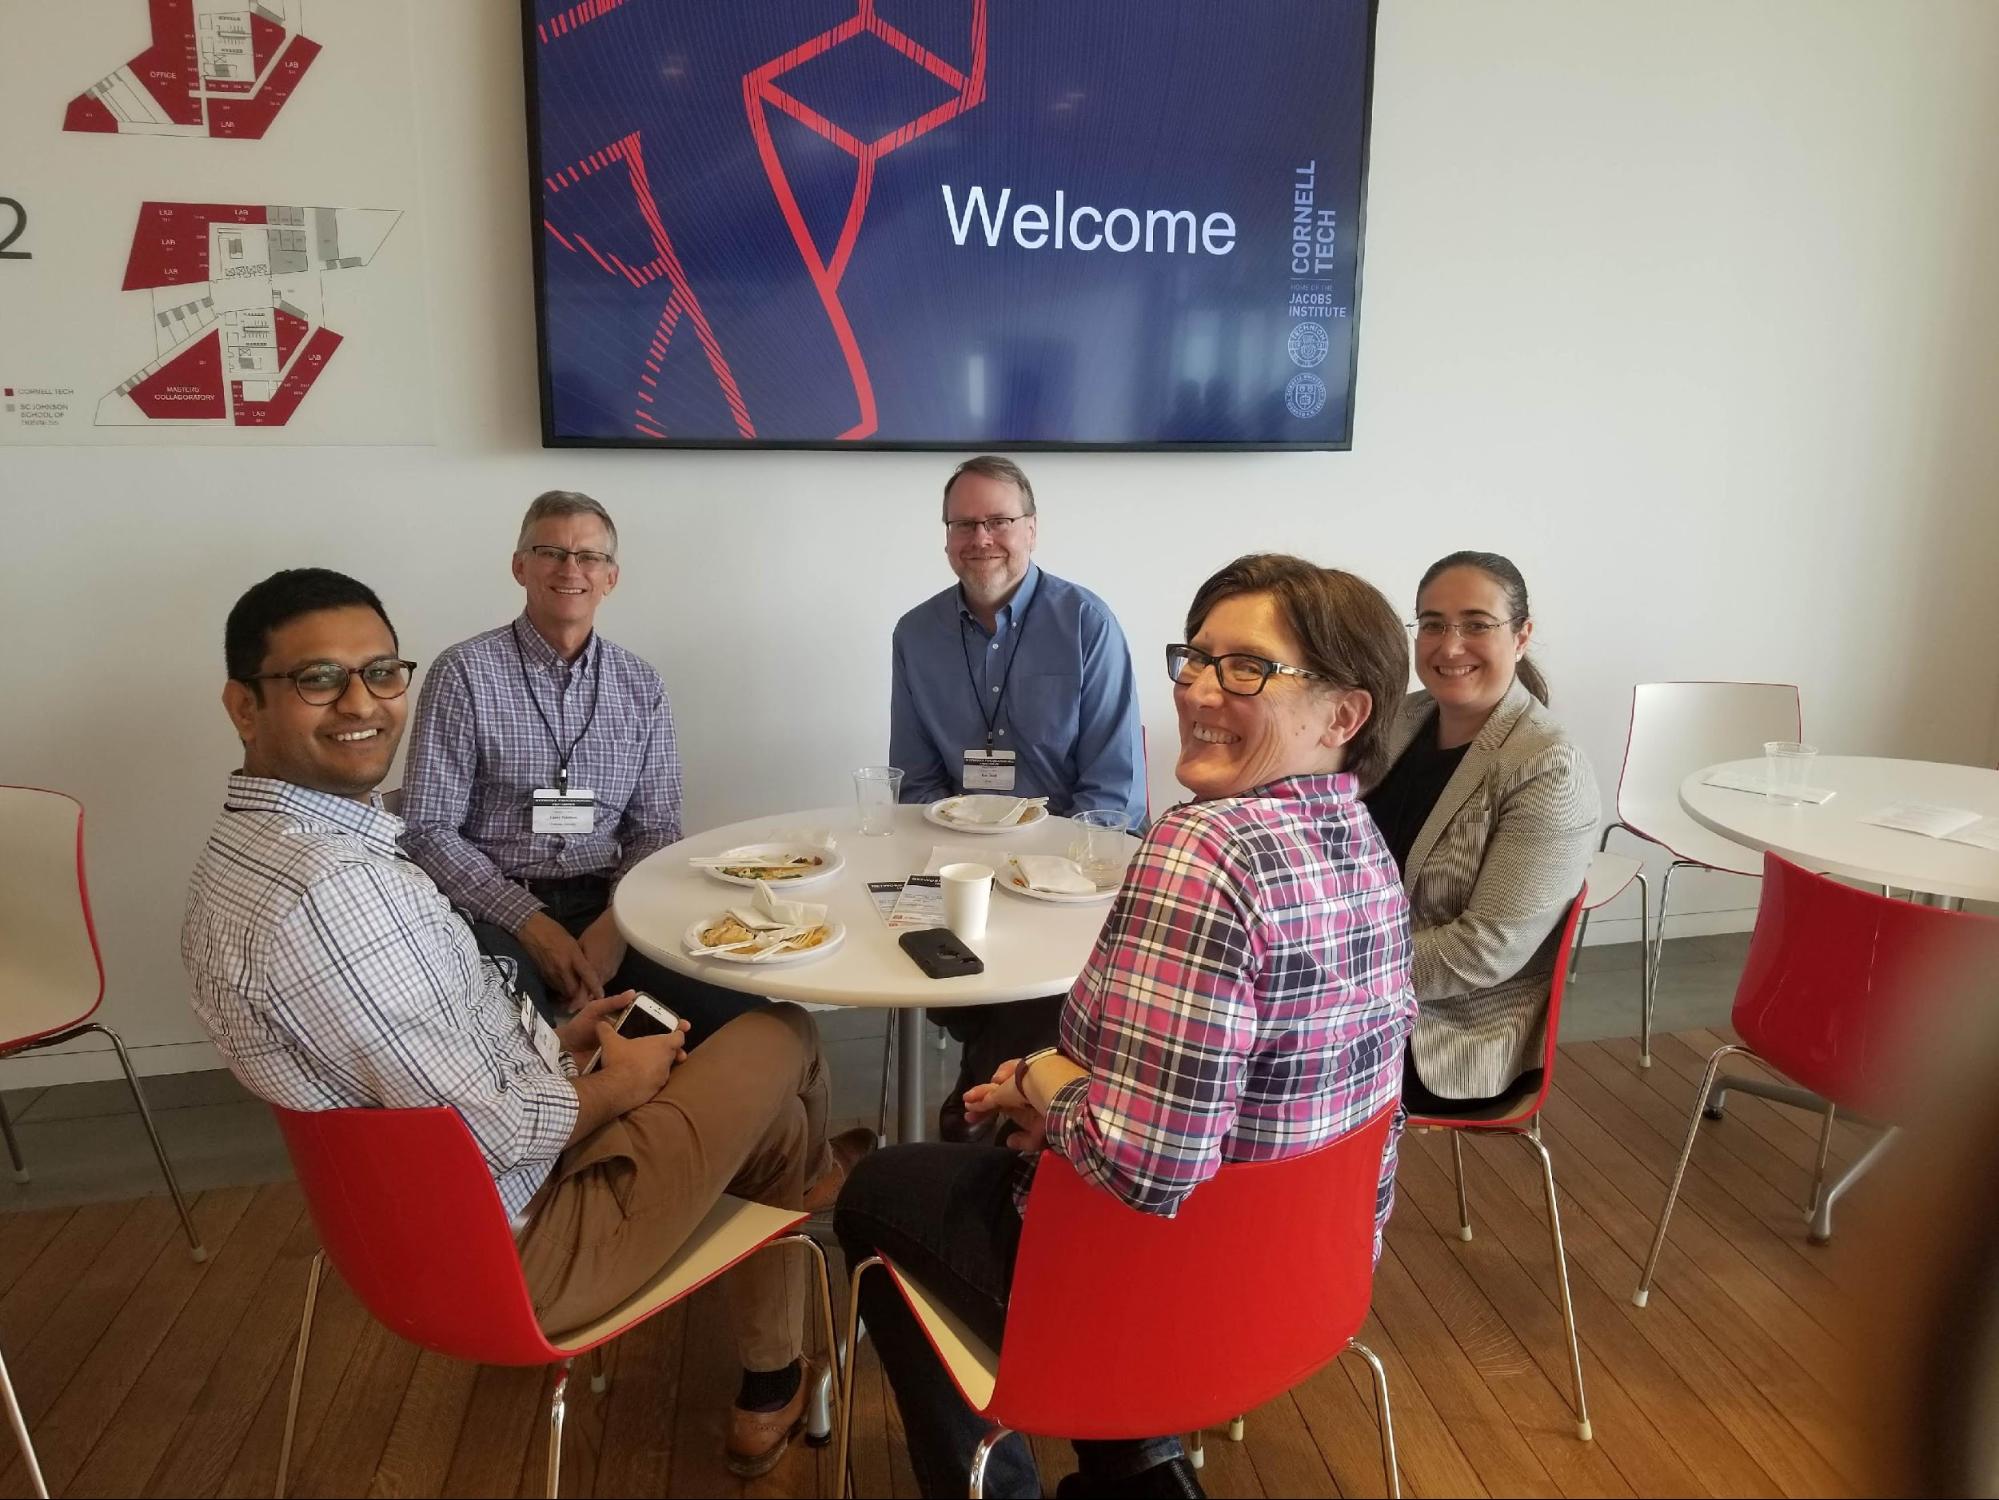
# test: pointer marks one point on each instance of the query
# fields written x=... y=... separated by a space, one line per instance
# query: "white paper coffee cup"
x=968 y=894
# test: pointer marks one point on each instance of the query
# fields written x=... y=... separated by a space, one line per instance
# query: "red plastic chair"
x=1519 y=1114
x=1289 y=1243
x=1832 y=990
x=408 y=1214
x=51 y=973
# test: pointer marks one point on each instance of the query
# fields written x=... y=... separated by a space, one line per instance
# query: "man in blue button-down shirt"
x=1013 y=681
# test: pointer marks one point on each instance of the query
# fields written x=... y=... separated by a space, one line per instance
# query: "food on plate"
x=732 y=936
x=726 y=933
x=789 y=868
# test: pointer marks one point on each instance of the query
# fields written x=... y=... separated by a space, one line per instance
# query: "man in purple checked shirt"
x=543 y=767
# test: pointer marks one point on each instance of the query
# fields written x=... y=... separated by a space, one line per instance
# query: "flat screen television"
x=948 y=223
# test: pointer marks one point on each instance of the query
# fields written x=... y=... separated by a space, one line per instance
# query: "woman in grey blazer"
x=1490 y=810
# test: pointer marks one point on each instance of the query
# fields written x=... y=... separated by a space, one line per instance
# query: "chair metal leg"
x=556 y=1405
x=1818 y=1167
x=1235 y=1429
x=1458 y=1170
x=1533 y=1139
x=1582 y=928
x=1644 y=1292
x=1665 y=900
x=995 y=1435
x=1822 y=1213
x=195 y=1247
x=1644 y=972
x=844 y=1481
x=298 y=1370
x=599 y=1376
x=1197 y=1453
x=13 y=1144
x=20 y=1427
x=820 y=1413
x=1384 y=1417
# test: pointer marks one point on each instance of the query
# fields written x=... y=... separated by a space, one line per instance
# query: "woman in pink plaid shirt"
x=1248 y=998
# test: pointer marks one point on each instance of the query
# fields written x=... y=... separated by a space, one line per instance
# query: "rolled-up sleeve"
x=1173 y=983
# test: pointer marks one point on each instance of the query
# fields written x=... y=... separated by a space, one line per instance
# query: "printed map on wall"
x=215 y=67
x=213 y=241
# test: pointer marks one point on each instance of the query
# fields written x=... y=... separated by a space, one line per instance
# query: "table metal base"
x=1819 y=1211
x=909 y=1049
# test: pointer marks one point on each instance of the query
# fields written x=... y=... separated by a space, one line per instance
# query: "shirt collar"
x=539 y=653
x=1015 y=608
x=317 y=810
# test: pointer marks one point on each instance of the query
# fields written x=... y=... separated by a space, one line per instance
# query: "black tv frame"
x=549 y=439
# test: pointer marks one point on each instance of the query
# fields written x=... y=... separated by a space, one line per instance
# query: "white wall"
x=1685 y=306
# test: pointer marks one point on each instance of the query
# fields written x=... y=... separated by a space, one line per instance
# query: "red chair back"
x=1123 y=1324
x=409 y=1216
x=1839 y=982
x=1565 y=949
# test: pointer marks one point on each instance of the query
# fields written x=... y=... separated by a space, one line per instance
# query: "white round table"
x=1031 y=948
x=1830 y=837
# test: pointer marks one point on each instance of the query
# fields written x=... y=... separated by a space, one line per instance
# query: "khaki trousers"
x=746 y=1115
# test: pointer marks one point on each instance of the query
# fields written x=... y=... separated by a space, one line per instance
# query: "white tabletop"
x=1831 y=838
x=1031 y=948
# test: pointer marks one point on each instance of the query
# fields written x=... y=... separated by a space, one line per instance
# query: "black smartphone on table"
x=941 y=953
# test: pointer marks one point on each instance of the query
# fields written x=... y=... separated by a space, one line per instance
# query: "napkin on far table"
x=993 y=812
x=1051 y=872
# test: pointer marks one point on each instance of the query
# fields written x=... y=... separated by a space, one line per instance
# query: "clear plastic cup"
x=1790 y=768
x=1099 y=848
x=876 y=790
x=968 y=895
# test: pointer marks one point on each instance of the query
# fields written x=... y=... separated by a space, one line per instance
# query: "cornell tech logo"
x=1305 y=396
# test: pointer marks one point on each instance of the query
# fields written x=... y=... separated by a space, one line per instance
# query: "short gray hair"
x=992 y=466
x=550 y=504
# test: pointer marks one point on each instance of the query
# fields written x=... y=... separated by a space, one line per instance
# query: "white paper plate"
x=691 y=939
x=1011 y=872
x=938 y=813
x=835 y=862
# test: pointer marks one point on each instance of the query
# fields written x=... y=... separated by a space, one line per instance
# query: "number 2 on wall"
x=20 y=228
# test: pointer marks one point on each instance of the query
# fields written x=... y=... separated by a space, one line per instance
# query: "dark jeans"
x=576 y=903
x=945 y=1215
x=993 y=1034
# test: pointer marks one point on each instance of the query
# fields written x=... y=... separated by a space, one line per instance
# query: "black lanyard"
x=999 y=699
x=562 y=756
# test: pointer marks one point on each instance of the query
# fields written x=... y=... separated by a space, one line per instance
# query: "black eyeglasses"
x=588 y=560
x=1237 y=671
x=322 y=682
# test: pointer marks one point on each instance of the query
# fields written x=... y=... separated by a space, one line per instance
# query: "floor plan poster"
x=217 y=240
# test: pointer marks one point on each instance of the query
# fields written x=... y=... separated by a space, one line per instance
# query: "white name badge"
x=555 y=811
x=546 y=1043
x=989 y=770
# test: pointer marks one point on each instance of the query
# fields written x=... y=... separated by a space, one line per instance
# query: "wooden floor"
x=142 y=1373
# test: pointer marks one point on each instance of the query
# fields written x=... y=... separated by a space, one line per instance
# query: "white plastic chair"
x=1676 y=728
x=1610 y=875
x=51 y=977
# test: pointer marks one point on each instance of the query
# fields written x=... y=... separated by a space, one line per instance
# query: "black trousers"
x=578 y=902
x=993 y=1034
x=945 y=1214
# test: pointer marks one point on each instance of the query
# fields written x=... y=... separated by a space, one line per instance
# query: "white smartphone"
x=645 y=1016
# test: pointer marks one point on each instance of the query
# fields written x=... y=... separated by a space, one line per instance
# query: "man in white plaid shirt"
x=331 y=973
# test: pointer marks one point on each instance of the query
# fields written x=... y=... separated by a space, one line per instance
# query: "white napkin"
x=747 y=854
x=812 y=838
x=788 y=913
x=1051 y=872
x=992 y=812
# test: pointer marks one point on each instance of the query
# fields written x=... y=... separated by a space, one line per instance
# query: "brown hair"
x=1502 y=572
x=1349 y=633
x=992 y=466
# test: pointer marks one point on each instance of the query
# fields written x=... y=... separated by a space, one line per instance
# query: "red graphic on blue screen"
x=949 y=223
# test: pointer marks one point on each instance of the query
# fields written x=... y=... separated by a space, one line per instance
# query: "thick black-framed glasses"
x=322 y=682
x=1237 y=671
